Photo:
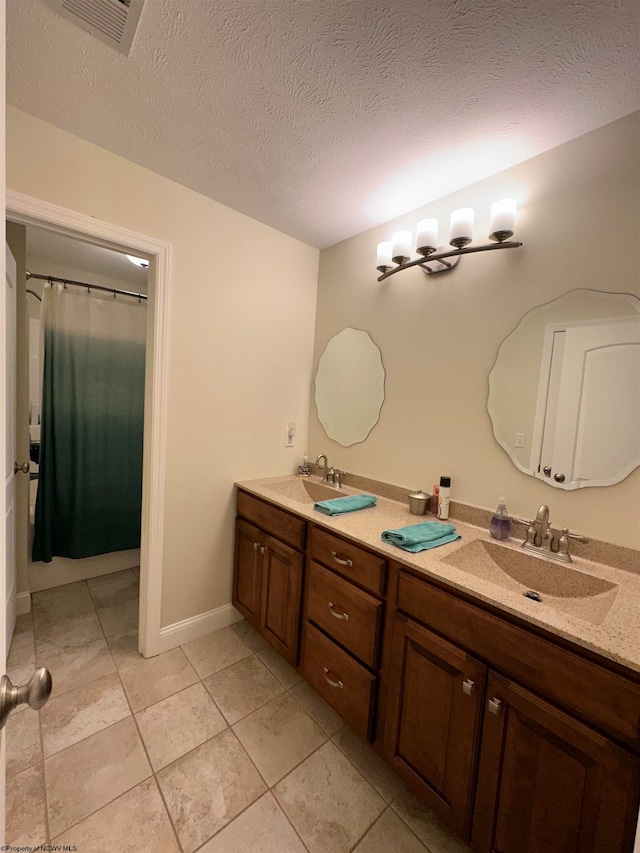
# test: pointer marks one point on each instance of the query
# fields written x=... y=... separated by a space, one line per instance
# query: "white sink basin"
x=558 y=585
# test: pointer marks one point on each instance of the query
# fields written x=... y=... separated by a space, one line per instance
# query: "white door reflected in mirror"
x=564 y=393
x=350 y=387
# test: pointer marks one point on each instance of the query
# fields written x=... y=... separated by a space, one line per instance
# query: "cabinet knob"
x=342 y=561
x=256 y=545
x=495 y=705
x=468 y=687
x=263 y=549
x=331 y=681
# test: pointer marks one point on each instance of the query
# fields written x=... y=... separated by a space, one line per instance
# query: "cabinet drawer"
x=349 y=615
x=287 y=528
x=356 y=564
x=592 y=691
x=345 y=684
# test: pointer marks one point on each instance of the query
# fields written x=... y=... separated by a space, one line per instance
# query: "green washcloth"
x=420 y=537
x=338 y=506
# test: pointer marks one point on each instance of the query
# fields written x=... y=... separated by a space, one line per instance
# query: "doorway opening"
x=91 y=235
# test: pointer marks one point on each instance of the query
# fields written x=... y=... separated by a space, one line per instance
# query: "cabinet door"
x=247 y=575
x=547 y=783
x=281 y=595
x=436 y=693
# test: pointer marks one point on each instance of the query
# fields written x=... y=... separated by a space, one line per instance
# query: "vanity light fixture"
x=433 y=260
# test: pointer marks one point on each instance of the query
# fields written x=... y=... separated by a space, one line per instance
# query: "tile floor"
x=217 y=746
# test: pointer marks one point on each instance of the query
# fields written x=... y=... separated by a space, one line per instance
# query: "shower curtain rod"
x=66 y=281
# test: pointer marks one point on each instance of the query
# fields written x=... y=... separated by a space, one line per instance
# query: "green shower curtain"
x=90 y=483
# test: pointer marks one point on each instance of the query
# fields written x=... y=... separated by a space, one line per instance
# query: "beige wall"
x=241 y=318
x=580 y=223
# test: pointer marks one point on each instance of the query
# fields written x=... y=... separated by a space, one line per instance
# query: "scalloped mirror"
x=564 y=392
x=350 y=386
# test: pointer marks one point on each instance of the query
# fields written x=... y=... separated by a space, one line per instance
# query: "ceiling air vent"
x=112 y=21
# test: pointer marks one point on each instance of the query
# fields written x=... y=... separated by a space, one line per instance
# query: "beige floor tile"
x=388 y=834
x=24 y=748
x=61 y=603
x=55 y=637
x=285 y=673
x=209 y=787
x=124 y=648
x=178 y=724
x=121 y=578
x=75 y=667
x=262 y=827
x=250 y=636
x=135 y=822
x=374 y=769
x=26 y=822
x=216 y=651
x=321 y=711
x=23 y=648
x=120 y=617
x=152 y=679
x=278 y=736
x=327 y=800
x=89 y=774
x=82 y=712
x=242 y=688
x=429 y=829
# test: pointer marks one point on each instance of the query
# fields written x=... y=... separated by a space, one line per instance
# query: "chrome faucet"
x=327 y=472
x=540 y=538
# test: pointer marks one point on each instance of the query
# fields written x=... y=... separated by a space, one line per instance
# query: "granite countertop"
x=616 y=637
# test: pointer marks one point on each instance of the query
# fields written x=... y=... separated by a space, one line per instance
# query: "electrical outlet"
x=520 y=439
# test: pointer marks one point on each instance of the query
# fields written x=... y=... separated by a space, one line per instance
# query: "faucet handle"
x=564 y=540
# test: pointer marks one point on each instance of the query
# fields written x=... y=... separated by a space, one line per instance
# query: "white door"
x=7 y=494
x=598 y=417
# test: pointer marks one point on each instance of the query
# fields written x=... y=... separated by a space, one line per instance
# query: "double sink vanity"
x=503 y=687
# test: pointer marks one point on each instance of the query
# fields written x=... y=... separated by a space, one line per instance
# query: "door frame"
x=28 y=210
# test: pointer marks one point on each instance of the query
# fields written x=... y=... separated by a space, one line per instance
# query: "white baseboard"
x=197 y=626
x=23 y=602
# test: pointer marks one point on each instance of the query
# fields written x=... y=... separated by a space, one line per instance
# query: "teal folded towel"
x=420 y=537
x=338 y=506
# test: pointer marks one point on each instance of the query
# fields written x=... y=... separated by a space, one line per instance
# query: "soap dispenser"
x=500 y=527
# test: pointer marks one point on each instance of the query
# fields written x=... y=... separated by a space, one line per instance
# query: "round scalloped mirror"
x=564 y=392
x=350 y=387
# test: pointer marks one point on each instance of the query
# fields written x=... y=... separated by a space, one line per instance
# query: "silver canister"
x=418 y=502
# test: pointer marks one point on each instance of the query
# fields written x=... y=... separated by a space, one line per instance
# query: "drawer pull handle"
x=330 y=681
x=342 y=561
x=495 y=705
x=339 y=615
x=467 y=687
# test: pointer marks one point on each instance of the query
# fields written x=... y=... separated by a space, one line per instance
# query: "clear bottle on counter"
x=433 y=508
x=500 y=527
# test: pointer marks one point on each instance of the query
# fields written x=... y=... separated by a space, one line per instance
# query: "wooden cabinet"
x=520 y=741
x=267 y=578
x=547 y=780
x=343 y=627
x=548 y=783
x=436 y=695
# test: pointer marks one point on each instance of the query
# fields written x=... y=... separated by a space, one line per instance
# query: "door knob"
x=559 y=478
x=24 y=467
x=34 y=693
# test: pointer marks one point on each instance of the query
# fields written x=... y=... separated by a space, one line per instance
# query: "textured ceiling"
x=325 y=117
x=45 y=247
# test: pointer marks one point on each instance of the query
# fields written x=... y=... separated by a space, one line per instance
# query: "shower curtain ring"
x=114 y=293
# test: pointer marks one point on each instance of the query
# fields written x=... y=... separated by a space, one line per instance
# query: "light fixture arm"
x=447 y=266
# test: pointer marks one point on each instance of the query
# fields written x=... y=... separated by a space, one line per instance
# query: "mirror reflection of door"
x=587 y=426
